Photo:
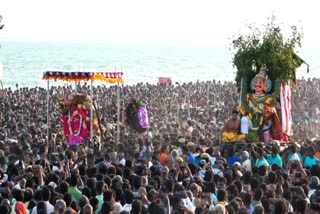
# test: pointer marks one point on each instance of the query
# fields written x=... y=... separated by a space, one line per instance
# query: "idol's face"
x=259 y=86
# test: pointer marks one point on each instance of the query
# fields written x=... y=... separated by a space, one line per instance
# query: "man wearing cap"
x=181 y=140
x=246 y=163
x=191 y=146
x=314 y=185
x=164 y=155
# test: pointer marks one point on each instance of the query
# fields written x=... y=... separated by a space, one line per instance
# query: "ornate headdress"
x=262 y=75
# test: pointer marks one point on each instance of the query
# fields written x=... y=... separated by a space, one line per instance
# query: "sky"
x=164 y=21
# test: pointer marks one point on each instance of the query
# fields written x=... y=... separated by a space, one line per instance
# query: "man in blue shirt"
x=274 y=157
x=233 y=157
x=186 y=152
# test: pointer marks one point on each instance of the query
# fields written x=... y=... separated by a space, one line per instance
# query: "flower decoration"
x=76 y=117
x=241 y=137
x=229 y=137
x=137 y=116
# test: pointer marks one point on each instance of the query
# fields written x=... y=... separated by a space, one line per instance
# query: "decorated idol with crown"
x=260 y=109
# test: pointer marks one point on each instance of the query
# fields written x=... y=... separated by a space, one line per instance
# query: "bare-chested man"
x=231 y=128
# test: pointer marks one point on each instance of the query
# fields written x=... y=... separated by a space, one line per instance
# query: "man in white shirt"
x=294 y=154
x=129 y=197
x=122 y=160
x=46 y=194
x=246 y=164
x=244 y=127
x=314 y=184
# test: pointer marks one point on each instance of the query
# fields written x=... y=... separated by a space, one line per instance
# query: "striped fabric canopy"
x=109 y=77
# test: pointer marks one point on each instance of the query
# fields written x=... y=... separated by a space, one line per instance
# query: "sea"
x=25 y=62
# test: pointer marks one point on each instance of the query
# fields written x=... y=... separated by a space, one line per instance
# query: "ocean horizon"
x=25 y=62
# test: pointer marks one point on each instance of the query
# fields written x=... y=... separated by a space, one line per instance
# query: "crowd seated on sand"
x=179 y=166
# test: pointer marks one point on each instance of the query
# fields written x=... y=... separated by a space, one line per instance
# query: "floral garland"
x=75 y=116
x=77 y=133
x=137 y=116
x=255 y=112
x=229 y=137
x=241 y=137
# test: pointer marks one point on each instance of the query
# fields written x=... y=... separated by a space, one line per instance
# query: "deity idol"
x=76 y=117
x=260 y=107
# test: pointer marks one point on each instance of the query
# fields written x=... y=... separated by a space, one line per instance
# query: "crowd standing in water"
x=180 y=165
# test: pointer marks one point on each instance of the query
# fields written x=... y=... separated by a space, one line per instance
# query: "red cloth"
x=20 y=208
x=318 y=154
x=164 y=80
x=164 y=159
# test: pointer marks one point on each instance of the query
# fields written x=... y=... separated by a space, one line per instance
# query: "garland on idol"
x=137 y=116
x=75 y=110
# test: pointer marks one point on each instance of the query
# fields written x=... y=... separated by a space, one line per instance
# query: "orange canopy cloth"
x=109 y=77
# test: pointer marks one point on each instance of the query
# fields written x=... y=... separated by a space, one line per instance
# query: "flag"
x=285 y=99
x=165 y=80
x=1 y=70
x=298 y=61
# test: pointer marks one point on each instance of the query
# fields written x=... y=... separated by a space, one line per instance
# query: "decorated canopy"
x=77 y=107
x=109 y=77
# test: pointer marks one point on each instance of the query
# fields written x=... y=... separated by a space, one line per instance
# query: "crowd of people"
x=180 y=165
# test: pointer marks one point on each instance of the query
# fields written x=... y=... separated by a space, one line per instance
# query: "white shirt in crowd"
x=246 y=165
x=189 y=204
x=311 y=192
x=213 y=160
x=295 y=157
x=50 y=208
x=127 y=207
x=122 y=162
x=244 y=128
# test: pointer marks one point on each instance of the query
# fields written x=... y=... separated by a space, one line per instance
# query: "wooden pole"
x=2 y=91
x=98 y=118
x=178 y=111
x=91 y=111
x=118 y=109
x=208 y=97
x=240 y=97
x=188 y=104
x=118 y=113
x=1 y=71
x=48 y=116
x=123 y=112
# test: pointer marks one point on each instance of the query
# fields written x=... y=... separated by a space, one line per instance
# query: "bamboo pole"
x=208 y=97
x=178 y=111
x=91 y=111
x=118 y=113
x=118 y=108
x=188 y=104
x=241 y=89
x=48 y=116
x=98 y=118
